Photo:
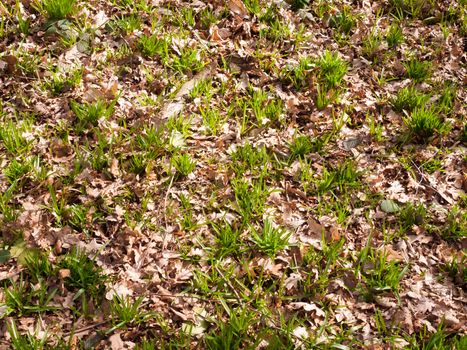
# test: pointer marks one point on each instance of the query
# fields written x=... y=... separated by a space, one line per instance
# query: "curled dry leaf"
x=237 y=7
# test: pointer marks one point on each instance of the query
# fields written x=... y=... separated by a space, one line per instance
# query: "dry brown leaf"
x=315 y=227
x=237 y=7
x=116 y=343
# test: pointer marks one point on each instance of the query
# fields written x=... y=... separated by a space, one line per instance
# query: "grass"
x=125 y=311
x=313 y=142
x=341 y=177
x=183 y=164
x=84 y=276
x=454 y=227
x=300 y=146
x=371 y=44
x=394 y=35
x=447 y=97
x=409 y=98
x=227 y=239
x=271 y=239
x=249 y=158
x=250 y=198
x=424 y=123
x=58 y=9
x=88 y=114
x=60 y=82
x=332 y=69
x=411 y=215
x=152 y=46
x=379 y=274
x=344 y=20
x=417 y=70
x=299 y=4
x=11 y=135
x=127 y=24
x=299 y=75
x=411 y=8
x=28 y=341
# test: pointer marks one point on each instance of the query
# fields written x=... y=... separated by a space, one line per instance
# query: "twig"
x=164 y=240
x=84 y=329
x=426 y=182
x=240 y=301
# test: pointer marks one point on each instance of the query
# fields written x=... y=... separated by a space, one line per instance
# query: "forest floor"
x=233 y=175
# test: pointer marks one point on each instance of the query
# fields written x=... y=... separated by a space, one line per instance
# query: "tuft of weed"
x=411 y=8
x=417 y=70
x=455 y=227
x=58 y=9
x=411 y=215
x=126 y=24
x=8 y=211
x=84 y=275
x=248 y=158
x=227 y=239
x=409 y=98
x=300 y=146
x=58 y=82
x=88 y=114
x=425 y=122
x=232 y=334
x=379 y=274
x=152 y=45
x=189 y=60
x=30 y=341
x=11 y=135
x=125 y=311
x=332 y=69
x=344 y=21
x=326 y=260
x=271 y=239
x=250 y=198
x=343 y=176
x=446 y=99
x=299 y=75
x=299 y=4
x=457 y=268
x=371 y=43
x=183 y=164
x=394 y=36
x=440 y=340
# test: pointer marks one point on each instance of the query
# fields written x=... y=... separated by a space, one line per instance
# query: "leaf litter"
x=374 y=214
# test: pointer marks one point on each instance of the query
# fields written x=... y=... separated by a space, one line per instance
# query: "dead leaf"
x=100 y=19
x=10 y=63
x=308 y=307
x=64 y=273
x=111 y=89
x=116 y=343
x=335 y=234
x=237 y=7
x=391 y=254
x=315 y=227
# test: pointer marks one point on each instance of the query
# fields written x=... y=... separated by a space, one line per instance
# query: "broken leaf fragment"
x=4 y=255
x=389 y=206
x=351 y=142
x=176 y=139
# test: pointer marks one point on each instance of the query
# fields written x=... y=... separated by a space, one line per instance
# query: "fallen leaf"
x=11 y=63
x=64 y=273
x=389 y=206
x=237 y=7
x=116 y=343
x=4 y=255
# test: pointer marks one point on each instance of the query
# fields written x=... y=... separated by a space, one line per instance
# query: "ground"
x=233 y=174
